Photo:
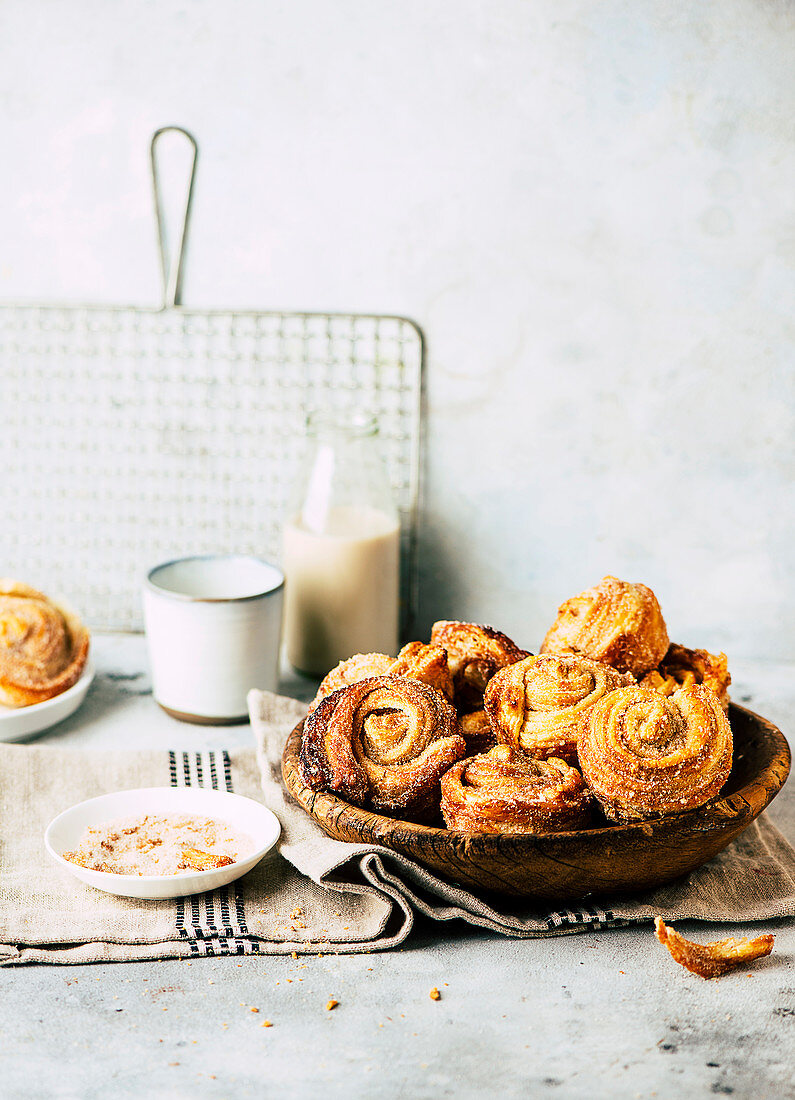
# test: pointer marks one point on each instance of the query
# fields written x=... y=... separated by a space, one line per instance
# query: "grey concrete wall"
x=587 y=206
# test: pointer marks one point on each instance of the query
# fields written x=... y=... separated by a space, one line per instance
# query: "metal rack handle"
x=172 y=272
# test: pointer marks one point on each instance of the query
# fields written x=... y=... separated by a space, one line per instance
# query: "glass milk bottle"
x=341 y=548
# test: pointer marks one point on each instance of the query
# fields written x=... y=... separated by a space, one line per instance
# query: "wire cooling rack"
x=135 y=435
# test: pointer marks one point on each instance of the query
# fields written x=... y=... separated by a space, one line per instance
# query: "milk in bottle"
x=341 y=550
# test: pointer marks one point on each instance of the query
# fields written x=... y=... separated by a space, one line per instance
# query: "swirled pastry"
x=507 y=791
x=615 y=622
x=474 y=654
x=541 y=704
x=683 y=667
x=416 y=661
x=383 y=744
x=359 y=667
x=645 y=755
x=43 y=646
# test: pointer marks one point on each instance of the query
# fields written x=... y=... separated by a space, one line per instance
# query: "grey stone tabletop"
x=604 y=1013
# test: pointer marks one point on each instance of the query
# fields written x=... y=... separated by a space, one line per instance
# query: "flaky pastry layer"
x=712 y=960
x=615 y=622
x=507 y=791
x=383 y=744
x=542 y=704
x=683 y=667
x=645 y=755
x=474 y=654
x=416 y=661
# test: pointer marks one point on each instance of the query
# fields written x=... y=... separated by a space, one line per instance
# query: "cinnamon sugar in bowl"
x=207 y=839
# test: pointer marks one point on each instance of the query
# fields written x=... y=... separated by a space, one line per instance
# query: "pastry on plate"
x=507 y=791
x=683 y=667
x=474 y=654
x=615 y=622
x=43 y=646
x=645 y=755
x=542 y=703
x=383 y=744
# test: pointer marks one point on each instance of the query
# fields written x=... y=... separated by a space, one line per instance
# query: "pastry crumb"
x=435 y=995
x=331 y=1004
x=159 y=844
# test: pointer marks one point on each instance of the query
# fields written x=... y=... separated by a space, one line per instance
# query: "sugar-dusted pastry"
x=43 y=646
x=383 y=744
x=683 y=667
x=427 y=663
x=615 y=622
x=416 y=660
x=542 y=703
x=645 y=755
x=359 y=667
x=712 y=960
x=477 y=732
x=474 y=654
x=507 y=791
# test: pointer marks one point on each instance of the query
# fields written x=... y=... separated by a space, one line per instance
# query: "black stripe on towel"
x=243 y=944
x=181 y=929
x=203 y=932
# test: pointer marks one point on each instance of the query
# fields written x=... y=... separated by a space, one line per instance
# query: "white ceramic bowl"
x=17 y=723
x=64 y=833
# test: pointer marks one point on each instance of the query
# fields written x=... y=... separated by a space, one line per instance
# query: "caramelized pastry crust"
x=43 y=646
x=477 y=732
x=507 y=791
x=542 y=703
x=615 y=622
x=683 y=667
x=416 y=661
x=474 y=654
x=359 y=667
x=383 y=744
x=711 y=960
x=427 y=663
x=645 y=755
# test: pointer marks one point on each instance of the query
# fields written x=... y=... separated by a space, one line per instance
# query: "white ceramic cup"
x=213 y=627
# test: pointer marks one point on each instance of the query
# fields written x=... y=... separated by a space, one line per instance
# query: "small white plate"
x=16 y=723
x=64 y=833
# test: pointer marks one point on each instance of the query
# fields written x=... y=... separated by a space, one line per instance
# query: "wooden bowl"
x=567 y=866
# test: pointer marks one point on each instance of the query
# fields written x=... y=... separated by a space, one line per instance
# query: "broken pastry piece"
x=615 y=622
x=683 y=667
x=204 y=861
x=711 y=960
x=474 y=654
